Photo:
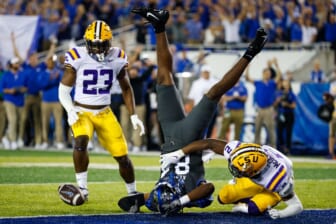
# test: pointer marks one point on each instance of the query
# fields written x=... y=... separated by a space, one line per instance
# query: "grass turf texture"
x=29 y=181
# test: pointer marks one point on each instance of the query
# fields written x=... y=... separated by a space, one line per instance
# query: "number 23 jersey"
x=94 y=79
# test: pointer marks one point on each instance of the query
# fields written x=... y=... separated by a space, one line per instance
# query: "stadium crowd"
x=301 y=22
x=192 y=21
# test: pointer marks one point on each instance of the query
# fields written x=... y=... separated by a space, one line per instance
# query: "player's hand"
x=207 y=155
x=171 y=158
x=137 y=122
x=274 y=213
x=73 y=116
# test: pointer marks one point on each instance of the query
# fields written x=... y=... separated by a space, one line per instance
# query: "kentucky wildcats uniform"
x=178 y=131
x=94 y=81
x=265 y=189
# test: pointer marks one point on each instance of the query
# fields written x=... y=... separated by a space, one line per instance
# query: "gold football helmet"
x=98 y=39
x=247 y=160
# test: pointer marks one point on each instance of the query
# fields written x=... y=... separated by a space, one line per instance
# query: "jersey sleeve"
x=120 y=59
x=73 y=57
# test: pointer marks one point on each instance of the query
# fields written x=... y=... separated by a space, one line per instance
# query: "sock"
x=131 y=187
x=82 y=179
x=184 y=199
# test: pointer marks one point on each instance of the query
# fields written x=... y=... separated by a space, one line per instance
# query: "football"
x=71 y=194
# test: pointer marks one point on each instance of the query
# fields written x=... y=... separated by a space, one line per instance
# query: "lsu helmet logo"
x=247 y=160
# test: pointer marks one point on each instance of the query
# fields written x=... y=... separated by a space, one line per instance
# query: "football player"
x=263 y=176
x=183 y=184
x=92 y=71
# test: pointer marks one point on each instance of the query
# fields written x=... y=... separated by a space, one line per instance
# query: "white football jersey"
x=277 y=176
x=94 y=80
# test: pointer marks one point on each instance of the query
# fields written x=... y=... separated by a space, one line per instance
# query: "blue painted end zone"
x=307 y=216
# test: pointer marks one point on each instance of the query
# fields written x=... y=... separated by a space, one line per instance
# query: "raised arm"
x=215 y=145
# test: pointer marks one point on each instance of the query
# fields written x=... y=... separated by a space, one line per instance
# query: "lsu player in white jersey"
x=263 y=176
x=92 y=71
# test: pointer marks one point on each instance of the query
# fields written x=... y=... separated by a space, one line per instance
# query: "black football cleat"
x=157 y=17
x=132 y=202
x=257 y=44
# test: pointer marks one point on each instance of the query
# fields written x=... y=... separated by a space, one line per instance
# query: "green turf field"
x=29 y=181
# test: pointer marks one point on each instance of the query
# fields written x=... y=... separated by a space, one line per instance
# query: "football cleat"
x=85 y=193
x=132 y=202
x=257 y=44
x=156 y=17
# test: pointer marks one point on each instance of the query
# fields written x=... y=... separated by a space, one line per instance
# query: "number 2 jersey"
x=94 y=79
x=277 y=176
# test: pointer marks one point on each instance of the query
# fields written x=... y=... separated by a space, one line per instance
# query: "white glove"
x=171 y=158
x=137 y=122
x=274 y=213
x=207 y=155
x=73 y=116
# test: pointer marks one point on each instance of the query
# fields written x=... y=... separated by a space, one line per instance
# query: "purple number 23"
x=88 y=85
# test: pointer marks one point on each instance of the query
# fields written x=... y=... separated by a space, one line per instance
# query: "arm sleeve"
x=65 y=97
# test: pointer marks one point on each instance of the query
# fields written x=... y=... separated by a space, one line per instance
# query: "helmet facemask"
x=98 y=49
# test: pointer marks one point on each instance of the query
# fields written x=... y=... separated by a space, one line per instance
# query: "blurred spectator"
x=309 y=32
x=214 y=33
x=296 y=30
x=50 y=22
x=183 y=63
x=3 y=117
x=30 y=126
x=231 y=24
x=178 y=26
x=14 y=86
x=285 y=104
x=233 y=103
x=264 y=98
x=51 y=108
x=330 y=32
x=198 y=88
x=194 y=30
x=269 y=28
x=317 y=74
x=326 y=112
x=138 y=82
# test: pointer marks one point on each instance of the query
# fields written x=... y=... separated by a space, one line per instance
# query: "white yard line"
x=92 y=165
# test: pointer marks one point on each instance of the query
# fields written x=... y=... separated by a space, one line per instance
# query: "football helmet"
x=98 y=39
x=161 y=196
x=247 y=160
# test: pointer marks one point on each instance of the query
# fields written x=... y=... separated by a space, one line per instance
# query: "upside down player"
x=93 y=70
x=263 y=176
x=183 y=185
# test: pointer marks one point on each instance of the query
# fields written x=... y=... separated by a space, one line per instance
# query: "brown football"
x=71 y=194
